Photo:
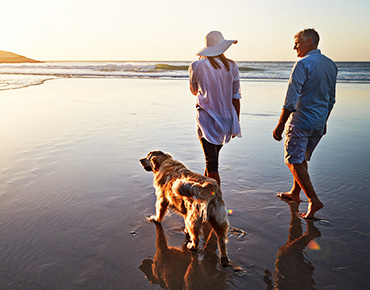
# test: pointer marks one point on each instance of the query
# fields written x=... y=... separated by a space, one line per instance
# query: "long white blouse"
x=217 y=119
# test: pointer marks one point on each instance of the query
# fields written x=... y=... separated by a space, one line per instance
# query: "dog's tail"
x=193 y=189
x=215 y=209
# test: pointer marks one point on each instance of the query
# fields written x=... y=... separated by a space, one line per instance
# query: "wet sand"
x=73 y=196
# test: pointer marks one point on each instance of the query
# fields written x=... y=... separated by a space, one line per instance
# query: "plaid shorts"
x=299 y=144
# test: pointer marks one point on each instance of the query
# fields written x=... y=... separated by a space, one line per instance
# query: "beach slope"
x=9 y=57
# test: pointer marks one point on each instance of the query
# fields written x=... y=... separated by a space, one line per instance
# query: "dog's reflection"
x=292 y=269
x=173 y=268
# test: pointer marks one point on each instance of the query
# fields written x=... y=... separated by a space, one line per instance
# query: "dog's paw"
x=152 y=219
x=191 y=246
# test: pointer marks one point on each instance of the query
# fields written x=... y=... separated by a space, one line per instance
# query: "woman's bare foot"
x=289 y=195
x=312 y=208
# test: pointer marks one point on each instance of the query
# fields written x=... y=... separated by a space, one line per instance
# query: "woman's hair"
x=224 y=60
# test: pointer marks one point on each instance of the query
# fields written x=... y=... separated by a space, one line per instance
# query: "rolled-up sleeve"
x=296 y=81
x=236 y=84
x=332 y=92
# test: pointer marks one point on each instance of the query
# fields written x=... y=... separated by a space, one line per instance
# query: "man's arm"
x=278 y=131
x=296 y=81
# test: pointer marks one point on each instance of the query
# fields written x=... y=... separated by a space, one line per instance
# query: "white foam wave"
x=11 y=82
x=26 y=74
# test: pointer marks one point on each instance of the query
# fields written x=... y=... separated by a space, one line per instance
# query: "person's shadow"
x=292 y=269
x=174 y=268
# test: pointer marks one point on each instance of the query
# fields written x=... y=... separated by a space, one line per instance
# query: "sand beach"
x=74 y=198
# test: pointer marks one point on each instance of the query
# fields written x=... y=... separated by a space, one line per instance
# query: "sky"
x=125 y=30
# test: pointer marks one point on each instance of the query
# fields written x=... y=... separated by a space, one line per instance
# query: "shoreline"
x=50 y=77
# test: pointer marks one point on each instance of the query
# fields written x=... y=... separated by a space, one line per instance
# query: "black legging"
x=211 y=152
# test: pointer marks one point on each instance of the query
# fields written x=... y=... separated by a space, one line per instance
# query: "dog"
x=195 y=197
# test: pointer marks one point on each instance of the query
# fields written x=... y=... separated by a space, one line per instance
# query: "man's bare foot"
x=312 y=208
x=289 y=195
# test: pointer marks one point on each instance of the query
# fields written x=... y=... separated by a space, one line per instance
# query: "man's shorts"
x=299 y=144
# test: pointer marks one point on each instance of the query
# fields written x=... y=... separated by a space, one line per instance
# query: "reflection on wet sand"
x=292 y=269
x=174 y=268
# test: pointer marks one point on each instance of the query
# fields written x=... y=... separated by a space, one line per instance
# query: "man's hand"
x=277 y=133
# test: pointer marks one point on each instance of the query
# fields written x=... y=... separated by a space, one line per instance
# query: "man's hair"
x=309 y=33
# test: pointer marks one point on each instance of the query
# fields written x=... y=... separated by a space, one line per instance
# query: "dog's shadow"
x=175 y=268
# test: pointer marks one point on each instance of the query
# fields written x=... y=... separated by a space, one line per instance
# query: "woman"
x=214 y=79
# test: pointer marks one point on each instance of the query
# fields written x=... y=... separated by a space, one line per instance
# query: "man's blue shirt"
x=311 y=91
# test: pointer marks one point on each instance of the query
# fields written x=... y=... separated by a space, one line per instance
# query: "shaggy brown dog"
x=196 y=197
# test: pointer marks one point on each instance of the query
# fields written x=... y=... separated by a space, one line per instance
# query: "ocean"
x=14 y=76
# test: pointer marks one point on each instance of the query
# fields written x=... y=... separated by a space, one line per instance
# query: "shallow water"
x=73 y=196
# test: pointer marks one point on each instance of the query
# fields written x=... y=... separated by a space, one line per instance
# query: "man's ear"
x=310 y=42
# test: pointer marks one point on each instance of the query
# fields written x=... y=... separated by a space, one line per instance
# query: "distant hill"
x=9 y=57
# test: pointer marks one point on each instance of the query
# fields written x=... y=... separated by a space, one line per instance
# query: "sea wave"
x=169 y=67
x=35 y=73
x=11 y=82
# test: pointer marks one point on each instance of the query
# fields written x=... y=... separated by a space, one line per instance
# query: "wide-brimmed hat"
x=215 y=44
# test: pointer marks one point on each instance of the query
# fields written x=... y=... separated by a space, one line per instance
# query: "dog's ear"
x=155 y=164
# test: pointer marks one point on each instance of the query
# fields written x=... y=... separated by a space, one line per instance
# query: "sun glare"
x=313 y=245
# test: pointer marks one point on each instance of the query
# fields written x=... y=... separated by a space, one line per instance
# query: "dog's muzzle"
x=146 y=164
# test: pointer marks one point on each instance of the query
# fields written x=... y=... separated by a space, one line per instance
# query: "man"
x=309 y=100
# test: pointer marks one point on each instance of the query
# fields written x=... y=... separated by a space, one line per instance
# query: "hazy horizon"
x=153 y=60
x=163 y=60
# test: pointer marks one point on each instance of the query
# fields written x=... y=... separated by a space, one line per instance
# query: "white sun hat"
x=215 y=44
